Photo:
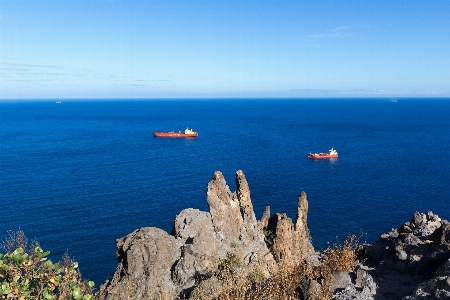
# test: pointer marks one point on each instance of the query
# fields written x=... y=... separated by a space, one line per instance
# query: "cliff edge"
x=411 y=262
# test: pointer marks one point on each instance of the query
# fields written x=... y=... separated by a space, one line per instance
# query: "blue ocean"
x=79 y=174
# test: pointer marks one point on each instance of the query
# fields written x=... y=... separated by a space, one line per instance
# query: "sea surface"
x=78 y=175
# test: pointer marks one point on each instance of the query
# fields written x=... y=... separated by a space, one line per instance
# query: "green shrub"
x=27 y=274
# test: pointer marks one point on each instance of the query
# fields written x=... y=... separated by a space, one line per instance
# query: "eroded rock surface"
x=289 y=241
x=145 y=259
x=151 y=260
x=410 y=262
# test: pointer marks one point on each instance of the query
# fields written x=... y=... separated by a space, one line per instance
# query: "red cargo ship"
x=172 y=134
x=331 y=154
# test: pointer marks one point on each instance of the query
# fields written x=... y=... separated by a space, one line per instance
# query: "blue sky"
x=229 y=48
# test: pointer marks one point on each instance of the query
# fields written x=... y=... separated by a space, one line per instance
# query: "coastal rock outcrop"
x=410 y=262
x=289 y=241
x=145 y=257
x=152 y=261
x=229 y=227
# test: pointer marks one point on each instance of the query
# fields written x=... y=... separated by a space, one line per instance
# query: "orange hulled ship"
x=331 y=154
x=179 y=134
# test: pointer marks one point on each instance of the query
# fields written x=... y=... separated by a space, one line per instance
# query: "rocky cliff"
x=411 y=262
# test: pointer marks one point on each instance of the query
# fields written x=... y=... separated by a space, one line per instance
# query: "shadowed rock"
x=410 y=262
x=283 y=242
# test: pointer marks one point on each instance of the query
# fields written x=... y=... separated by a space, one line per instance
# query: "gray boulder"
x=145 y=259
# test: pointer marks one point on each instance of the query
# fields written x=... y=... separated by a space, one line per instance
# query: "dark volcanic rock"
x=407 y=261
x=411 y=262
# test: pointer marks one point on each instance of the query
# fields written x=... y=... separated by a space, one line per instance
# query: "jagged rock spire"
x=250 y=225
x=224 y=209
x=289 y=241
x=264 y=222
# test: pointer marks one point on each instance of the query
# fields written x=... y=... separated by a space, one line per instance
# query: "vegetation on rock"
x=238 y=282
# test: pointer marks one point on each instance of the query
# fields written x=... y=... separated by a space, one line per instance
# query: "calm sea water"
x=78 y=175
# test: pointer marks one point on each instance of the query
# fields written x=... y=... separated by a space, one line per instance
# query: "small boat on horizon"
x=331 y=154
x=187 y=133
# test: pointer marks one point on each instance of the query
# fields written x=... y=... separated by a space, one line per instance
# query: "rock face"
x=357 y=284
x=143 y=269
x=151 y=260
x=406 y=259
x=230 y=226
x=290 y=242
x=410 y=262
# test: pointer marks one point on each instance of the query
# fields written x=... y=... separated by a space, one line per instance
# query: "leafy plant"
x=28 y=275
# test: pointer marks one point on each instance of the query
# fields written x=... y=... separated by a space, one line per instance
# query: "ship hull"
x=174 y=134
x=321 y=156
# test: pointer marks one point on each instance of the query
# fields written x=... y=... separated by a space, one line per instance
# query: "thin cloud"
x=14 y=70
x=340 y=31
x=31 y=80
x=9 y=70
x=28 y=65
x=353 y=27
x=325 y=35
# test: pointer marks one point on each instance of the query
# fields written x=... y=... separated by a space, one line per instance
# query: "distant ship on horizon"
x=331 y=154
x=187 y=133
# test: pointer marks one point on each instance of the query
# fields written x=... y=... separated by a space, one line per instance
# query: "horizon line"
x=230 y=98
